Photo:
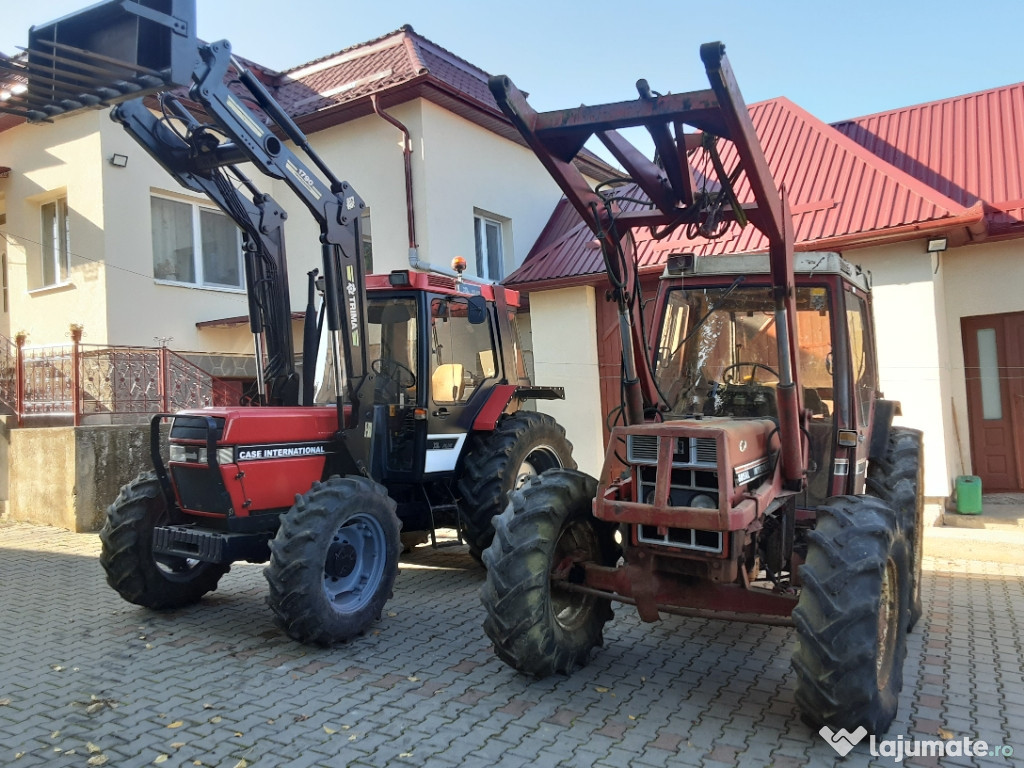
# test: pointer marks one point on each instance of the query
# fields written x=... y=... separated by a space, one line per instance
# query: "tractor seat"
x=447 y=383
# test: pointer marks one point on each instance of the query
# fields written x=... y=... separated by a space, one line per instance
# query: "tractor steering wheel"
x=753 y=372
x=395 y=371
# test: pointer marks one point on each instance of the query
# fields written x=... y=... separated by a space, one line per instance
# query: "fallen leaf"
x=95 y=707
x=413 y=679
x=97 y=760
x=149 y=646
x=58 y=750
x=56 y=667
x=345 y=727
x=632 y=717
x=601 y=689
x=71 y=752
x=239 y=734
x=405 y=754
x=93 y=749
x=197 y=762
x=161 y=759
x=944 y=734
x=178 y=745
x=55 y=734
x=353 y=737
x=216 y=719
x=329 y=731
x=5 y=702
x=271 y=721
x=176 y=724
x=207 y=705
x=391 y=614
x=242 y=764
x=18 y=755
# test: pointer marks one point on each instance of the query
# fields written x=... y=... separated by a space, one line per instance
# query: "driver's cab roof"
x=807 y=263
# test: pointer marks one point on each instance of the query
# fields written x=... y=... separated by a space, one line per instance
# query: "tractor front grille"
x=201 y=489
x=681 y=538
x=686 y=451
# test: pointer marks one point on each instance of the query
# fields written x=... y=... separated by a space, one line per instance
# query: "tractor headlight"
x=703 y=501
x=197 y=454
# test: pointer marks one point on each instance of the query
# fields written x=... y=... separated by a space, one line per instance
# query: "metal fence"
x=83 y=380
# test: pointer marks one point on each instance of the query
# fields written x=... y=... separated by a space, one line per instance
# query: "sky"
x=835 y=59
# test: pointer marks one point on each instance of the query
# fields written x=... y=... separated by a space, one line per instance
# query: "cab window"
x=462 y=354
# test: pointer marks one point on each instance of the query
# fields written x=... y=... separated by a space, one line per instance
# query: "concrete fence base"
x=68 y=476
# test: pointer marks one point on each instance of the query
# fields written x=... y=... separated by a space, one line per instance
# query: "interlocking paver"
x=422 y=688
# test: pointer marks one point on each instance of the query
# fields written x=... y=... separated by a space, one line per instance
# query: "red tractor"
x=757 y=477
x=408 y=411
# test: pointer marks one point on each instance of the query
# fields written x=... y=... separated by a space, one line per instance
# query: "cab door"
x=463 y=364
x=863 y=381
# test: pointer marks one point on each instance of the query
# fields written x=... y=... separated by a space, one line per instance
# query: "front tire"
x=139 y=576
x=537 y=628
x=851 y=619
x=898 y=479
x=522 y=446
x=333 y=561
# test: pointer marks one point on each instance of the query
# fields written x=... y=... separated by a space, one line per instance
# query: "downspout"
x=414 y=259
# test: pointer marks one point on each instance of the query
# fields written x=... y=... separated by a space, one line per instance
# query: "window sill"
x=196 y=287
x=55 y=288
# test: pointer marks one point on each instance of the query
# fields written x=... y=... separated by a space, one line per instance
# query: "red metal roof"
x=970 y=148
x=841 y=194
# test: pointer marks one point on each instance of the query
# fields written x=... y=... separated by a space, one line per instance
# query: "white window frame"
x=58 y=251
x=198 y=208
x=483 y=255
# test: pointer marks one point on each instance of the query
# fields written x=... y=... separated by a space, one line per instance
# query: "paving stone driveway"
x=85 y=676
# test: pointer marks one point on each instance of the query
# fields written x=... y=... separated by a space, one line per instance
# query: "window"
x=56 y=255
x=195 y=244
x=861 y=355
x=462 y=354
x=489 y=257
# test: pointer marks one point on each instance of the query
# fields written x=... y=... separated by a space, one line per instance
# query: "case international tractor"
x=757 y=476
x=407 y=413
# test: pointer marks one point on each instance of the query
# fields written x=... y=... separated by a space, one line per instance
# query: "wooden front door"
x=994 y=362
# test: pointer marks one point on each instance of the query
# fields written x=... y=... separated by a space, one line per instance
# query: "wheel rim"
x=888 y=619
x=540 y=459
x=579 y=543
x=354 y=564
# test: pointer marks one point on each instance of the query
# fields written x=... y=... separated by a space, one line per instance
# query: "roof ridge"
x=829 y=131
x=347 y=50
x=922 y=104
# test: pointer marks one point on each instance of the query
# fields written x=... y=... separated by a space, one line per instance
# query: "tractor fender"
x=500 y=402
x=881 y=424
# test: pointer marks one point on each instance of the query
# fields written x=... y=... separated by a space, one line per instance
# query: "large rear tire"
x=333 y=561
x=139 y=576
x=537 y=628
x=851 y=619
x=522 y=446
x=898 y=479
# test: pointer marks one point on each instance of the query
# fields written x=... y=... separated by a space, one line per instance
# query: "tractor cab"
x=717 y=355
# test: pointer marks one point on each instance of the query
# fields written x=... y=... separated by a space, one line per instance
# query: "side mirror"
x=477 y=310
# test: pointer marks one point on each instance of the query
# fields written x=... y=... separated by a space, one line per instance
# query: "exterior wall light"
x=121 y=161
x=937 y=244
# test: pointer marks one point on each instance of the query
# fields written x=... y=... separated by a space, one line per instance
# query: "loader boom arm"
x=116 y=53
x=671 y=186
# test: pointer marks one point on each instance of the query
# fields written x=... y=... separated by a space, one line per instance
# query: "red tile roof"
x=970 y=148
x=842 y=196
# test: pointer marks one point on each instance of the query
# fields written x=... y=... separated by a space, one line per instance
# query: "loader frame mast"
x=556 y=138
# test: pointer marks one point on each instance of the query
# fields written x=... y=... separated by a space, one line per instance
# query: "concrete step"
x=984 y=544
x=999 y=512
